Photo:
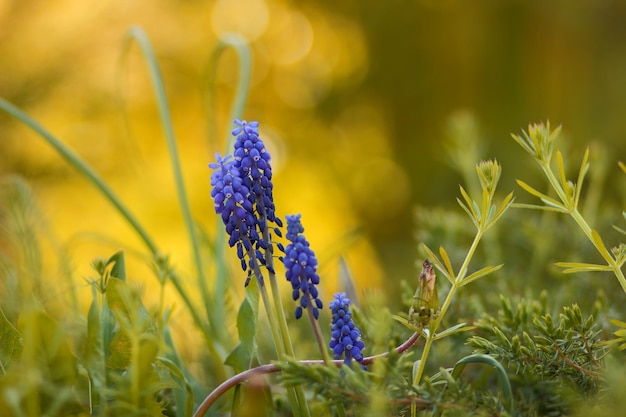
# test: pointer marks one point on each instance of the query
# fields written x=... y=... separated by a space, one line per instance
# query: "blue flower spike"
x=253 y=162
x=301 y=268
x=242 y=193
x=232 y=202
x=345 y=336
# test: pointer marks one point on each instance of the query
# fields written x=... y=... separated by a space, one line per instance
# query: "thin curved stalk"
x=139 y=35
x=242 y=49
x=81 y=166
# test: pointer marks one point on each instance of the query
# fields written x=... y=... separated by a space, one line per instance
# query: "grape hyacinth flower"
x=242 y=192
x=232 y=203
x=253 y=161
x=301 y=268
x=345 y=336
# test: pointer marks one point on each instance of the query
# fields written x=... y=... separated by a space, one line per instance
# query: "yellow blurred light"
x=381 y=186
x=289 y=36
x=248 y=18
x=300 y=89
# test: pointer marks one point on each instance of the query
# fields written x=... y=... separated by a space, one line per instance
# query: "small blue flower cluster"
x=345 y=336
x=242 y=193
x=301 y=268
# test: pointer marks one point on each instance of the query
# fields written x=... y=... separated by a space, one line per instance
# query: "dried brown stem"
x=271 y=368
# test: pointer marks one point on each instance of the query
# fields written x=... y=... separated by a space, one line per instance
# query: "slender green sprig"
x=241 y=47
x=539 y=142
x=139 y=35
x=484 y=216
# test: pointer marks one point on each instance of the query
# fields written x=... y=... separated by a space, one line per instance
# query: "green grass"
x=508 y=302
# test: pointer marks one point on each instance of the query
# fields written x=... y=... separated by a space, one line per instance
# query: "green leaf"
x=446 y=260
x=437 y=262
x=599 y=244
x=584 y=167
x=182 y=381
x=505 y=383
x=10 y=346
x=119 y=265
x=241 y=357
x=125 y=304
x=176 y=367
x=480 y=273
x=48 y=347
x=469 y=212
x=547 y=200
x=506 y=203
x=618 y=323
x=561 y=166
x=523 y=143
x=470 y=203
x=536 y=207
x=457 y=328
x=573 y=267
x=43 y=380
x=247 y=316
x=132 y=318
x=94 y=359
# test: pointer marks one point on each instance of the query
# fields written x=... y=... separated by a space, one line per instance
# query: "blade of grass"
x=82 y=167
x=505 y=383
x=139 y=35
x=242 y=49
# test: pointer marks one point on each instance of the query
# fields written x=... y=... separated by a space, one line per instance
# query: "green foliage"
x=40 y=380
x=120 y=359
x=241 y=357
x=533 y=344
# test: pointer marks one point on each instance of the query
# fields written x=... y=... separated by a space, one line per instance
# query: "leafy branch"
x=483 y=216
x=539 y=142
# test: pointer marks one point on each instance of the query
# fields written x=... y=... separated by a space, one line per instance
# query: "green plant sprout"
x=539 y=142
x=483 y=216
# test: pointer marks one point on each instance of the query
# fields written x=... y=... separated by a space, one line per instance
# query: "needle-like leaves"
x=573 y=267
x=547 y=200
x=479 y=274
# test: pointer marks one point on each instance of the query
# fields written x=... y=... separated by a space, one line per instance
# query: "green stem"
x=317 y=331
x=469 y=256
x=584 y=226
x=282 y=343
x=282 y=319
x=168 y=128
x=444 y=308
x=242 y=49
x=82 y=167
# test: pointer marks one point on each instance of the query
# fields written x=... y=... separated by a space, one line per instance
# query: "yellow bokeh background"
x=66 y=57
x=352 y=100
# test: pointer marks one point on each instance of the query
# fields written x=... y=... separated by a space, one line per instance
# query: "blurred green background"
x=353 y=98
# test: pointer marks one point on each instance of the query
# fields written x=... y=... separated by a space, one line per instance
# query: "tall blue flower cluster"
x=301 y=268
x=345 y=336
x=242 y=193
x=253 y=162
